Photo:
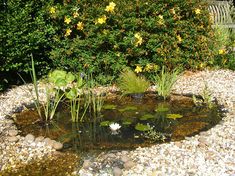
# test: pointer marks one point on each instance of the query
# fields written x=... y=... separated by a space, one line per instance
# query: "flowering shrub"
x=106 y=36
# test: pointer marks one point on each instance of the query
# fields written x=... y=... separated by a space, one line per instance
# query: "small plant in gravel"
x=207 y=98
x=165 y=81
x=130 y=83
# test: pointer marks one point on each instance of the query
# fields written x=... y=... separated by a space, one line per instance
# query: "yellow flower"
x=67 y=20
x=160 y=16
x=197 y=11
x=161 y=19
x=139 y=39
x=179 y=38
x=67 y=32
x=80 y=26
x=101 y=20
x=138 y=69
x=222 y=51
x=52 y=10
x=148 y=67
x=75 y=14
x=110 y=7
x=172 y=11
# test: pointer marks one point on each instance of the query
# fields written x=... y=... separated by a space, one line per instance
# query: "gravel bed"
x=210 y=153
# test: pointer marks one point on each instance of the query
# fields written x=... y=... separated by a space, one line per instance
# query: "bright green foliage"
x=147 y=34
x=130 y=83
x=174 y=116
x=165 y=81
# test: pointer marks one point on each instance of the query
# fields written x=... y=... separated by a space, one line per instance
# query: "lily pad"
x=128 y=108
x=109 y=106
x=105 y=123
x=127 y=122
x=174 y=116
x=146 y=117
x=142 y=127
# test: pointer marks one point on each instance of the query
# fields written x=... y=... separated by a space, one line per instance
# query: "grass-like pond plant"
x=130 y=83
x=165 y=81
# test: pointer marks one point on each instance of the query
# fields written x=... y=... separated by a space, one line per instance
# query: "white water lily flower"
x=114 y=126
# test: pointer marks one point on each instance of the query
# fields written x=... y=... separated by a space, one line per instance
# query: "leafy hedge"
x=106 y=36
x=24 y=31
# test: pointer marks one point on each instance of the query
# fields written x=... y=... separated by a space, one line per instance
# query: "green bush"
x=105 y=36
x=24 y=31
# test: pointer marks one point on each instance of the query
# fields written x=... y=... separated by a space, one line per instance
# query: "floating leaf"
x=174 y=116
x=127 y=122
x=128 y=108
x=142 y=127
x=105 y=123
x=109 y=106
x=146 y=117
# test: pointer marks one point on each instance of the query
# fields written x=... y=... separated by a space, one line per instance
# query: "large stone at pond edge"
x=12 y=139
x=117 y=171
x=13 y=132
x=29 y=138
x=39 y=139
x=129 y=164
x=187 y=129
x=57 y=145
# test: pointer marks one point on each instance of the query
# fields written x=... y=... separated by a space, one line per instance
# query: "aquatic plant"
x=154 y=135
x=130 y=83
x=165 y=81
x=114 y=126
x=142 y=127
x=174 y=116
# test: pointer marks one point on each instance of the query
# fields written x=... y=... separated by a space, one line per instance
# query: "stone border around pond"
x=210 y=153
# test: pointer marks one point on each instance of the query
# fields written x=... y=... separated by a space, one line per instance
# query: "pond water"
x=142 y=122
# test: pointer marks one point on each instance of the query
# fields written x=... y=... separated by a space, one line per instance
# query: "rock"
x=124 y=159
x=178 y=144
x=39 y=139
x=12 y=132
x=12 y=139
x=29 y=138
x=129 y=164
x=86 y=164
x=117 y=171
x=51 y=143
x=57 y=145
x=46 y=140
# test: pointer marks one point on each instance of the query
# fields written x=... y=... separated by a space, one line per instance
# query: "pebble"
x=117 y=171
x=57 y=145
x=13 y=132
x=39 y=139
x=29 y=138
x=86 y=164
x=129 y=164
x=12 y=139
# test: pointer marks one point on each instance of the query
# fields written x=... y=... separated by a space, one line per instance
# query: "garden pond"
x=124 y=123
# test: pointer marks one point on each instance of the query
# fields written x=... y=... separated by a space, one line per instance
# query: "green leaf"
x=72 y=94
x=142 y=127
x=56 y=74
x=60 y=82
x=174 y=116
x=69 y=77
x=109 y=106
x=128 y=108
x=146 y=117
x=105 y=123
